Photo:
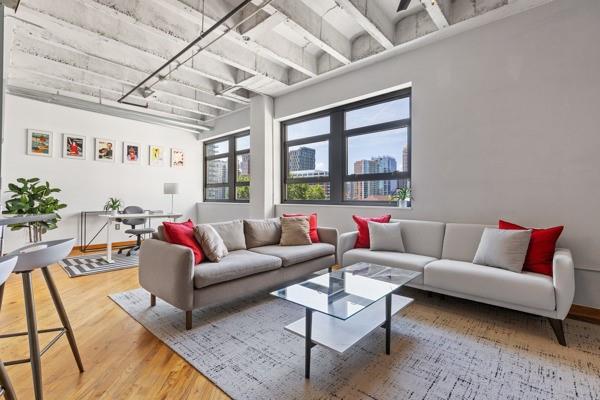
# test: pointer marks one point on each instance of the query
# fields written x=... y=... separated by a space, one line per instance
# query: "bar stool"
x=7 y=265
x=40 y=256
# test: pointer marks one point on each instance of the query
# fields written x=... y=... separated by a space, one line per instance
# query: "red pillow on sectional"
x=362 y=224
x=312 y=222
x=541 y=247
x=183 y=234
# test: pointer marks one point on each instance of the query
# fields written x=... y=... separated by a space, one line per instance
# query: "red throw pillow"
x=183 y=234
x=312 y=222
x=362 y=223
x=541 y=247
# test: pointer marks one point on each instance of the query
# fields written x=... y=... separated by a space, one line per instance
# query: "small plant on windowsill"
x=113 y=205
x=403 y=196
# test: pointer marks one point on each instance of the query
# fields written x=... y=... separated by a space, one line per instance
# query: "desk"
x=110 y=218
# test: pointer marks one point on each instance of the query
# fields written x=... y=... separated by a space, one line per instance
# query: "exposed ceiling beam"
x=312 y=27
x=140 y=19
x=274 y=47
x=436 y=13
x=372 y=19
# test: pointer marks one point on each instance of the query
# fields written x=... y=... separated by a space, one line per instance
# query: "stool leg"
x=34 y=344
x=1 y=295
x=63 y=316
x=9 y=391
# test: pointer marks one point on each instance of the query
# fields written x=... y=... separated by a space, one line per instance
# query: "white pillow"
x=386 y=236
x=502 y=248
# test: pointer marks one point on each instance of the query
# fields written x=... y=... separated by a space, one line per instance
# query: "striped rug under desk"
x=95 y=264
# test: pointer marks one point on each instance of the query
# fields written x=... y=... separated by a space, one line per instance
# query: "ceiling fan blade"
x=403 y=5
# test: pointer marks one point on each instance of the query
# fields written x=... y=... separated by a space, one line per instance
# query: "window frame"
x=338 y=151
x=231 y=156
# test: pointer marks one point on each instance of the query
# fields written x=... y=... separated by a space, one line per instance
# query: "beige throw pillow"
x=211 y=243
x=295 y=231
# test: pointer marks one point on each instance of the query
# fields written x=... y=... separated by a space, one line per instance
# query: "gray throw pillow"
x=262 y=232
x=295 y=231
x=502 y=248
x=232 y=233
x=386 y=237
x=211 y=243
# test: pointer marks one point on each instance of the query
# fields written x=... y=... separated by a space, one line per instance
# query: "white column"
x=262 y=203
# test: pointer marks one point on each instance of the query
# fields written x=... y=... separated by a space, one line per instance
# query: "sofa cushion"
x=525 y=289
x=291 y=255
x=422 y=237
x=461 y=241
x=413 y=262
x=386 y=237
x=211 y=243
x=232 y=233
x=503 y=249
x=262 y=232
x=236 y=264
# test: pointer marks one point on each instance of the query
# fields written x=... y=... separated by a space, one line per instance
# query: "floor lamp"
x=172 y=189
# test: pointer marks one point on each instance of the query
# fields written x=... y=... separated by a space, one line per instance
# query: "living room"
x=277 y=199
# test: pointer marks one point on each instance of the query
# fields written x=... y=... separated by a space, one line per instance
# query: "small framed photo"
x=157 y=156
x=104 y=150
x=39 y=143
x=177 y=158
x=131 y=153
x=73 y=146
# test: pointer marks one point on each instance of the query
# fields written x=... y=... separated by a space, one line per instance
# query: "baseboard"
x=102 y=246
x=584 y=313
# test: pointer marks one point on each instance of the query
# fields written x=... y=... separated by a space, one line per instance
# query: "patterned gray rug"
x=95 y=264
x=441 y=349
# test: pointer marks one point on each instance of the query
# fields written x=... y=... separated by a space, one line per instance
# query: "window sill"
x=343 y=206
x=225 y=203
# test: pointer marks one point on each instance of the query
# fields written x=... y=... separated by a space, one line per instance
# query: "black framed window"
x=227 y=168
x=359 y=153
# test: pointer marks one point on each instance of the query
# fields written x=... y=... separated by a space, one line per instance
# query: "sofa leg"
x=188 y=320
x=152 y=300
x=557 y=327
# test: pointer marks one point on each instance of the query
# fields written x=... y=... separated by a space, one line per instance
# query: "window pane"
x=380 y=152
x=217 y=171
x=372 y=190
x=309 y=160
x=221 y=193
x=378 y=113
x=242 y=143
x=314 y=127
x=213 y=149
x=242 y=192
x=308 y=191
x=243 y=168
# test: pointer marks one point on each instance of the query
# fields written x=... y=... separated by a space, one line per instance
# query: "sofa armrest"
x=329 y=235
x=347 y=242
x=563 y=273
x=167 y=271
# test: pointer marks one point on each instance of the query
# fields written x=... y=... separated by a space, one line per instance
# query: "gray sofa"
x=444 y=253
x=167 y=271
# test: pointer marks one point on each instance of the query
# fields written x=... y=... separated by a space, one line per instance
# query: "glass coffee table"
x=350 y=303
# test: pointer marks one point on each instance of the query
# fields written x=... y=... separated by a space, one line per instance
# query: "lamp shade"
x=171 y=188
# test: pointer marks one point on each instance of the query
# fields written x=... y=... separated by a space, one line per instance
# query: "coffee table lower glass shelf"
x=350 y=303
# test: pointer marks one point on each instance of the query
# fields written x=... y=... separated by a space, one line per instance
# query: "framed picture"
x=39 y=143
x=157 y=156
x=177 y=158
x=73 y=146
x=131 y=153
x=105 y=150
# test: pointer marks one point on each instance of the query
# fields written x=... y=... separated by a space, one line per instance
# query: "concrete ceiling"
x=97 y=50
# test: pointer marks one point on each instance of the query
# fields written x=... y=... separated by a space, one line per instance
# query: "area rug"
x=441 y=349
x=95 y=264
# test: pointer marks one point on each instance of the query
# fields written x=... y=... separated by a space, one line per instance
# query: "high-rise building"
x=302 y=159
x=405 y=159
x=243 y=165
x=363 y=190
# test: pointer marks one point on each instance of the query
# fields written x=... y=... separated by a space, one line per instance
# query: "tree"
x=305 y=191
x=242 y=192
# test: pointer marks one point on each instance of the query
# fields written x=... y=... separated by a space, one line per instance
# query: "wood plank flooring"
x=122 y=359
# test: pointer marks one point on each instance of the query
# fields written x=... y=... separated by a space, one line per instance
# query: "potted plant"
x=403 y=196
x=114 y=205
x=29 y=196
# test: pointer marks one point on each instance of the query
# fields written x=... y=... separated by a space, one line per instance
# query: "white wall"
x=505 y=125
x=87 y=184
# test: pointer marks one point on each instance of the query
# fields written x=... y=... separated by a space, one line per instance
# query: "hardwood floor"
x=122 y=359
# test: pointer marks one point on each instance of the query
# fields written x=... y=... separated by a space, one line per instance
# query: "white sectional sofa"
x=444 y=253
